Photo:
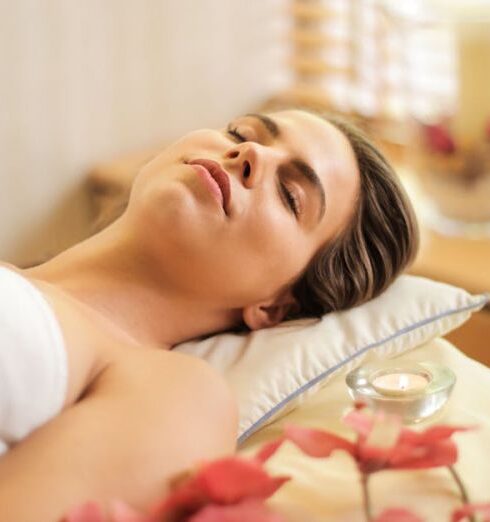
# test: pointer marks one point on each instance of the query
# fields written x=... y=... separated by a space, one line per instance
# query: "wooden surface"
x=473 y=338
x=459 y=261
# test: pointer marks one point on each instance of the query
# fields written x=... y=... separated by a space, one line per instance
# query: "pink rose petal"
x=232 y=479
x=247 y=511
x=360 y=422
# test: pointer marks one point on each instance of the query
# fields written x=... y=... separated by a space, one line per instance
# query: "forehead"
x=315 y=139
x=328 y=151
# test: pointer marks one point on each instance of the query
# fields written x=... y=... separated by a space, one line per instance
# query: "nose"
x=248 y=160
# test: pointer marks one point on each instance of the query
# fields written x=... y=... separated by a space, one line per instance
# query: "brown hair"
x=380 y=241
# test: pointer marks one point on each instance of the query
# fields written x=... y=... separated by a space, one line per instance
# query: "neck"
x=110 y=274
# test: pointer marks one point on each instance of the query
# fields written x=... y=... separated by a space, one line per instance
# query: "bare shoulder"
x=154 y=366
x=173 y=393
x=148 y=417
x=153 y=376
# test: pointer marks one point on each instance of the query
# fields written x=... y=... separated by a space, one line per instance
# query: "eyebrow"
x=313 y=179
x=302 y=167
x=268 y=123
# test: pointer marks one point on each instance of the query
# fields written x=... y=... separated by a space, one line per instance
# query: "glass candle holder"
x=413 y=391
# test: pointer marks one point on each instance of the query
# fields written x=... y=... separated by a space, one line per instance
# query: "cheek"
x=274 y=243
x=273 y=229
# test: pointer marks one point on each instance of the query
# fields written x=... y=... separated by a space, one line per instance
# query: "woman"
x=276 y=216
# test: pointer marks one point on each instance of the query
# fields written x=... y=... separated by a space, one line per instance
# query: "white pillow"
x=271 y=371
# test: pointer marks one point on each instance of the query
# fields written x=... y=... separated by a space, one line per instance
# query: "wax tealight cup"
x=400 y=382
x=413 y=390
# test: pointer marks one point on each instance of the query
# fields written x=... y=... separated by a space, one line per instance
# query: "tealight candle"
x=399 y=383
x=414 y=391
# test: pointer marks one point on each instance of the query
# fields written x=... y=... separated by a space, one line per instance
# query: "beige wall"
x=84 y=81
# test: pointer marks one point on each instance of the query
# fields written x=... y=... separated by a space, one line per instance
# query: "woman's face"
x=235 y=215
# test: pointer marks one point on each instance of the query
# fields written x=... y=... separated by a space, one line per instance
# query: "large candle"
x=473 y=56
x=471 y=22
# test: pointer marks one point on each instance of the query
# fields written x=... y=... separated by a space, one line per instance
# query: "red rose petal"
x=226 y=481
x=443 y=453
x=232 y=479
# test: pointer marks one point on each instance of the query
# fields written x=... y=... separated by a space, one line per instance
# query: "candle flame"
x=403 y=381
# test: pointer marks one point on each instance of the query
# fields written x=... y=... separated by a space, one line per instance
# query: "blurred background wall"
x=82 y=82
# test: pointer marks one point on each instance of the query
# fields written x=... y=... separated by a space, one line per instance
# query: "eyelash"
x=290 y=197
x=233 y=132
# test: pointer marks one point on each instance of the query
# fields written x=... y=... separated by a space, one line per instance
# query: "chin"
x=174 y=218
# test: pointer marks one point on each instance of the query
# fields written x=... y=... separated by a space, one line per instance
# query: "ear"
x=269 y=313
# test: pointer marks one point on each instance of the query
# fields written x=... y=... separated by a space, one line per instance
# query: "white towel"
x=33 y=361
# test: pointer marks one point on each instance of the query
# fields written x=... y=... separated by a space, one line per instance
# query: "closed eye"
x=233 y=132
x=291 y=199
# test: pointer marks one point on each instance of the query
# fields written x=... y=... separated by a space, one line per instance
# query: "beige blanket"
x=329 y=489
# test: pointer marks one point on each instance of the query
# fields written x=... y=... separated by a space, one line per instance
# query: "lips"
x=220 y=177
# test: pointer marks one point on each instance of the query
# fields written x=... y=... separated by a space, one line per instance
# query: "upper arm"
x=142 y=422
